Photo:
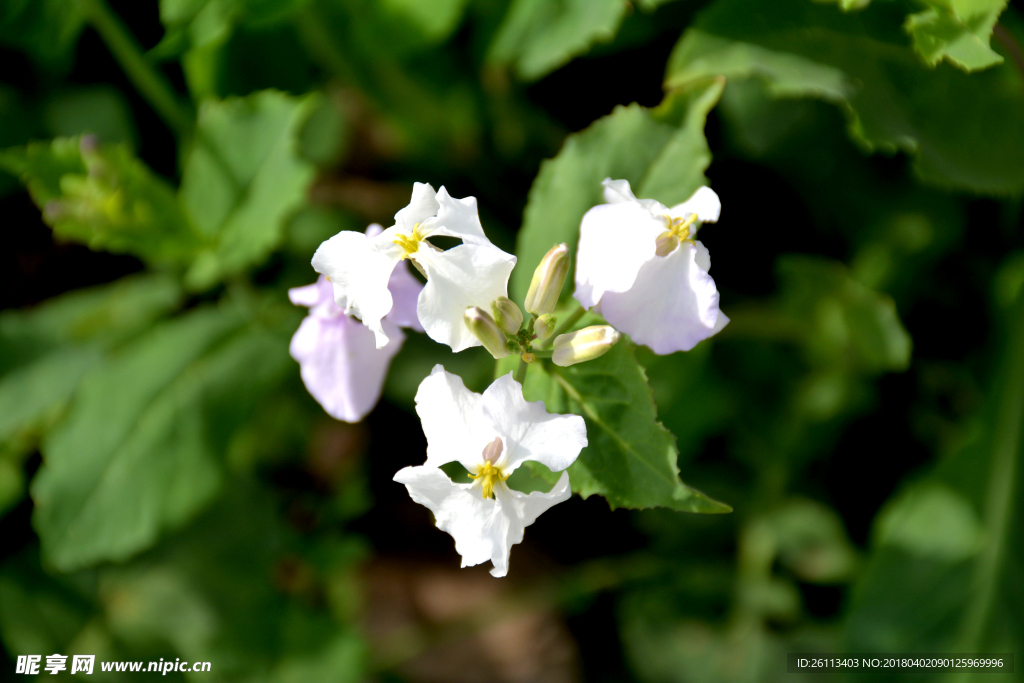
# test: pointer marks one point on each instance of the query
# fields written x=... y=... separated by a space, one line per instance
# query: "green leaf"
x=630 y=459
x=964 y=131
x=47 y=30
x=957 y=30
x=47 y=350
x=101 y=111
x=37 y=613
x=846 y=324
x=104 y=197
x=661 y=152
x=139 y=451
x=946 y=557
x=538 y=36
x=242 y=179
x=435 y=20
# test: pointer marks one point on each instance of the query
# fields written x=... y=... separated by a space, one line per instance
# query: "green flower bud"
x=545 y=325
x=547 y=281
x=583 y=345
x=486 y=330
x=507 y=314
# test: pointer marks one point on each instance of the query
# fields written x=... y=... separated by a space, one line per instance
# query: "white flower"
x=471 y=274
x=490 y=435
x=639 y=266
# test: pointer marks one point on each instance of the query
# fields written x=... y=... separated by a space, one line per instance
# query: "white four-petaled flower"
x=490 y=434
x=639 y=266
x=340 y=363
x=473 y=273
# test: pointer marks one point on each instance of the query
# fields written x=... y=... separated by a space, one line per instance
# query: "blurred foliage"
x=168 y=489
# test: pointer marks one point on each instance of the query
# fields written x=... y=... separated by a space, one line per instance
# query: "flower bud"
x=548 y=279
x=486 y=330
x=544 y=326
x=507 y=314
x=583 y=345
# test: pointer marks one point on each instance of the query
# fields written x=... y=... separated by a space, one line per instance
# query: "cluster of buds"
x=503 y=330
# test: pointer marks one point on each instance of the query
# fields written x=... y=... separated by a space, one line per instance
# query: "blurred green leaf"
x=946 y=555
x=47 y=30
x=630 y=459
x=100 y=111
x=434 y=19
x=104 y=197
x=242 y=178
x=231 y=589
x=957 y=30
x=139 y=451
x=47 y=350
x=847 y=324
x=37 y=613
x=662 y=152
x=964 y=131
x=538 y=36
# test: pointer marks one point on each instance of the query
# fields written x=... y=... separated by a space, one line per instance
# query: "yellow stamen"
x=677 y=230
x=489 y=476
x=410 y=244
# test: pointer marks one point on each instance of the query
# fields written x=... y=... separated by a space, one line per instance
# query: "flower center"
x=676 y=230
x=488 y=473
x=410 y=244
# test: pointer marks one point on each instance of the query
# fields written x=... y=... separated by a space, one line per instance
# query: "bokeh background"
x=862 y=413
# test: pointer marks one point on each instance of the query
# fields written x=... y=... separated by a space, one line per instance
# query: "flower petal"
x=360 y=276
x=530 y=432
x=464 y=276
x=340 y=364
x=478 y=525
x=456 y=218
x=308 y=296
x=422 y=206
x=672 y=306
x=616 y=191
x=405 y=290
x=447 y=410
x=616 y=240
x=483 y=528
x=522 y=510
x=704 y=202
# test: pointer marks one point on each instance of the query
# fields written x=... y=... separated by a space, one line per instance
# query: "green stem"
x=520 y=373
x=149 y=82
x=1000 y=497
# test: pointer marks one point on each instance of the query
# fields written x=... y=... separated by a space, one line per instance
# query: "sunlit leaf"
x=242 y=179
x=538 y=36
x=964 y=131
x=662 y=152
x=139 y=451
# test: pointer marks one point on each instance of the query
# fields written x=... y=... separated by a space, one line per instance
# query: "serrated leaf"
x=631 y=457
x=964 y=131
x=662 y=152
x=104 y=197
x=138 y=453
x=538 y=36
x=242 y=179
x=957 y=30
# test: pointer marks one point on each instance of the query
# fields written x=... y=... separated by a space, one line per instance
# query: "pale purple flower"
x=340 y=363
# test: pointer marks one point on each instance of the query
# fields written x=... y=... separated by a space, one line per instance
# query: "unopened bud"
x=507 y=314
x=548 y=279
x=583 y=345
x=486 y=330
x=544 y=326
